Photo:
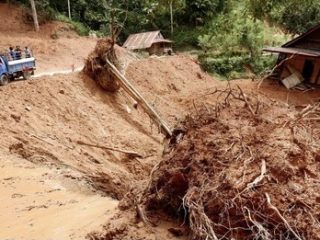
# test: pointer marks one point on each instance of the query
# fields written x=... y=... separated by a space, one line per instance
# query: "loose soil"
x=38 y=202
x=50 y=116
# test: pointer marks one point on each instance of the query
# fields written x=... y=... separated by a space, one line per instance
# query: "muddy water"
x=41 y=203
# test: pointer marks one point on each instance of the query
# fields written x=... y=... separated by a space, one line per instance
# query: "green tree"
x=233 y=42
x=202 y=11
x=294 y=16
x=171 y=4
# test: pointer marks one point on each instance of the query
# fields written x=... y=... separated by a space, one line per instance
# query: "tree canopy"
x=227 y=33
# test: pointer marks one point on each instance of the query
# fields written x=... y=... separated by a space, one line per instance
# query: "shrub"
x=223 y=65
x=234 y=41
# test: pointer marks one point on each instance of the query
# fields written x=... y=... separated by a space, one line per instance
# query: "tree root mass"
x=242 y=174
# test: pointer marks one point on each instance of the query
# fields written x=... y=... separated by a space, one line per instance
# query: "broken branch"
x=130 y=153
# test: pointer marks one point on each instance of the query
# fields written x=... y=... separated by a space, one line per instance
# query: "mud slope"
x=48 y=117
x=277 y=91
x=171 y=83
x=45 y=120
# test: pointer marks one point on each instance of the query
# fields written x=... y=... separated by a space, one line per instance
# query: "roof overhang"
x=162 y=41
x=293 y=51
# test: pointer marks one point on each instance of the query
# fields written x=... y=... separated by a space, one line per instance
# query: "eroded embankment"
x=49 y=117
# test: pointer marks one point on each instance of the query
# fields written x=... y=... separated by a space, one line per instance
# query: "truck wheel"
x=26 y=75
x=4 y=80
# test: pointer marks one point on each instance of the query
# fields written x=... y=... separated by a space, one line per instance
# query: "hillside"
x=56 y=47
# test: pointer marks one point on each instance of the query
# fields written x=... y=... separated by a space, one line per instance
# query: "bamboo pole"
x=134 y=93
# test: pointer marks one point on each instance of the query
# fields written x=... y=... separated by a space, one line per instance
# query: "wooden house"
x=299 y=58
x=153 y=42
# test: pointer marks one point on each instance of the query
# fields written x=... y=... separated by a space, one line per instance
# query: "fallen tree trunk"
x=130 y=153
x=103 y=66
x=134 y=93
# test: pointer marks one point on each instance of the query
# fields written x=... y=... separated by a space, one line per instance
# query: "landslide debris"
x=246 y=168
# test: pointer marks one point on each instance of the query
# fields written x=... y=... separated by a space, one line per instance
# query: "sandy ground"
x=40 y=203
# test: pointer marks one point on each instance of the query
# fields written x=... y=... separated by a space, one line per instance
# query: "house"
x=299 y=59
x=153 y=42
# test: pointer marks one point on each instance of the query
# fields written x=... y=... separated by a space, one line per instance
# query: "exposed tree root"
x=215 y=178
x=96 y=67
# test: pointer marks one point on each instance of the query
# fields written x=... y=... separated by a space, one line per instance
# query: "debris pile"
x=246 y=168
x=96 y=65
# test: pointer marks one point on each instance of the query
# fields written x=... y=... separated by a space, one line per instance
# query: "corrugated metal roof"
x=143 y=40
x=294 y=51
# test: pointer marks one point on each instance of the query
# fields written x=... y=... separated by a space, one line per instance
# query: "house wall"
x=158 y=48
x=298 y=64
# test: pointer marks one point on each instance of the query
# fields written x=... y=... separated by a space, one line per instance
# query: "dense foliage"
x=227 y=34
x=294 y=16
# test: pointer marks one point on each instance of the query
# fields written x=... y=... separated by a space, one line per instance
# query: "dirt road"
x=41 y=203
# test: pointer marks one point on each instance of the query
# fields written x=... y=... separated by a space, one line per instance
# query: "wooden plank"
x=291 y=81
x=294 y=71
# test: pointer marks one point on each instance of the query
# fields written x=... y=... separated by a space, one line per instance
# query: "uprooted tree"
x=103 y=66
x=96 y=65
x=245 y=169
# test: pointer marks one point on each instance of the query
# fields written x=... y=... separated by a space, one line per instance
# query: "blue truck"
x=11 y=70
